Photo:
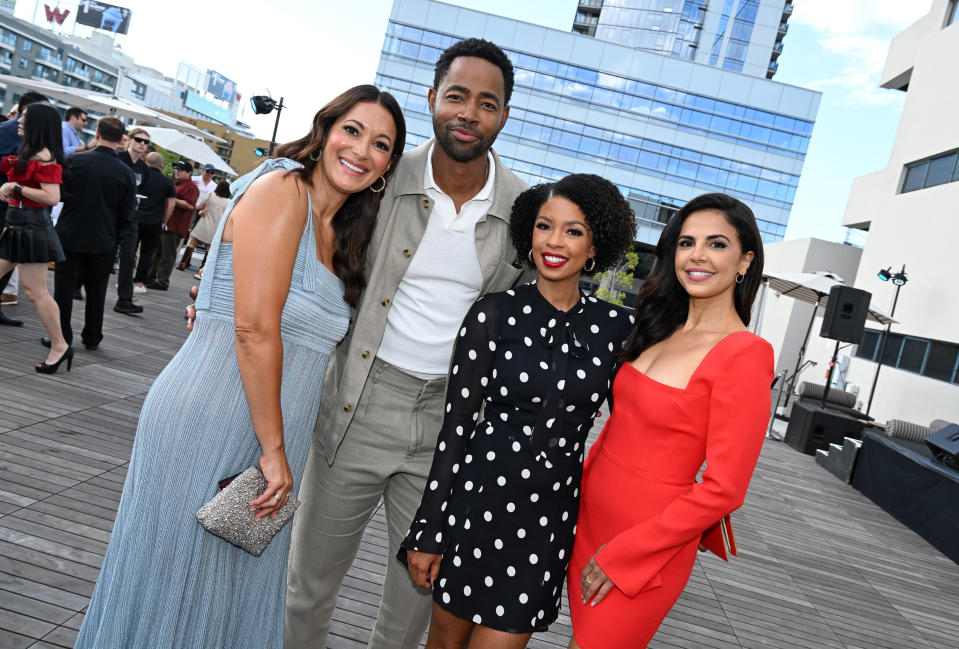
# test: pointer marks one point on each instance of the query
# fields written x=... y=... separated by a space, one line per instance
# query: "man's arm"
x=168 y=206
x=69 y=135
x=127 y=204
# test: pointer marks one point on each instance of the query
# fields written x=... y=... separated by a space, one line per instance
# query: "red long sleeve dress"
x=640 y=496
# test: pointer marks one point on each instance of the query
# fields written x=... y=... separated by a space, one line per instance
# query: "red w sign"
x=56 y=14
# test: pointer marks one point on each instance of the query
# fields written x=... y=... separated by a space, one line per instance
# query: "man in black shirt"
x=133 y=158
x=156 y=206
x=99 y=195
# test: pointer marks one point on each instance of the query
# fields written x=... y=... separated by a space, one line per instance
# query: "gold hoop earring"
x=740 y=278
x=590 y=269
x=530 y=256
x=377 y=191
x=316 y=155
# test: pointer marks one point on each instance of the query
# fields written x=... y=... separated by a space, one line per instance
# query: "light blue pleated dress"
x=165 y=581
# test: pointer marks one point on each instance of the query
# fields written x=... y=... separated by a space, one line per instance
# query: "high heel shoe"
x=51 y=368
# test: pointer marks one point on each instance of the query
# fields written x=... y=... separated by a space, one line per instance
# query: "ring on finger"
x=587 y=580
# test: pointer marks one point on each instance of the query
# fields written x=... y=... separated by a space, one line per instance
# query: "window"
x=24 y=64
x=9 y=38
x=952 y=12
x=935 y=359
x=139 y=90
x=26 y=45
x=938 y=170
x=941 y=361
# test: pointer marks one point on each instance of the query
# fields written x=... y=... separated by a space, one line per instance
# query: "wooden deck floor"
x=819 y=565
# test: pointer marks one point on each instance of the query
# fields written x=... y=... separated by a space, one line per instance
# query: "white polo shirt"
x=442 y=282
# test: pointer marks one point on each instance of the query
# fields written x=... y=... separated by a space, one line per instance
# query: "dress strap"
x=238 y=187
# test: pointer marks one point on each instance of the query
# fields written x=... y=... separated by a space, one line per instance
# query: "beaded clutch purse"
x=228 y=514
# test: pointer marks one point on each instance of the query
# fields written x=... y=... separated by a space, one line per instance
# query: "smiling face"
x=709 y=255
x=358 y=148
x=468 y=108
x=562 y=240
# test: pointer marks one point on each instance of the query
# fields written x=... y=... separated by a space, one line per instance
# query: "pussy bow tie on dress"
x=561 y=336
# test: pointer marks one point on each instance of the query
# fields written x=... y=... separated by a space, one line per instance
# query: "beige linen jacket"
x=404 y=213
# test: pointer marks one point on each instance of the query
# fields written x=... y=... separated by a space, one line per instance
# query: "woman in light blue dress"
x=244 y=390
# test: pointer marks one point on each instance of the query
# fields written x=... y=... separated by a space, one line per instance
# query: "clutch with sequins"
x=228 y=514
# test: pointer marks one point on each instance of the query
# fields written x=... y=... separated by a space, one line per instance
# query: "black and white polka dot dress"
x=503 y=493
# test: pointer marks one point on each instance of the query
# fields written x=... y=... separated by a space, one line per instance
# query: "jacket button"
x=365 y=354
x=348 y=408
x=407 y=253
x=426 y=202
x=386 y=301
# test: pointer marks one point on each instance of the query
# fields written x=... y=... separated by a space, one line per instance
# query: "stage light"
x=262 y=105
x=260 y=152
x=885 y=274
x=899 y=279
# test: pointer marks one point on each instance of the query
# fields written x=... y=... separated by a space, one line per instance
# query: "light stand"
x=899 y=279
x=264 y=105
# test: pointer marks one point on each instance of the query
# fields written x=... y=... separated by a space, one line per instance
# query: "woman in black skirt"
x=28 y=240
x=493 y=533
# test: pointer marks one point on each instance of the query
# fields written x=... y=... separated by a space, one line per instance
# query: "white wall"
x=918 y=229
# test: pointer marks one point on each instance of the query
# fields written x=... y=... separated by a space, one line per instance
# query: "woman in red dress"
x=28 y=239
x=695 y=386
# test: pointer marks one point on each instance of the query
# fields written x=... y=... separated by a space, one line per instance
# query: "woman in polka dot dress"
x=493 y=533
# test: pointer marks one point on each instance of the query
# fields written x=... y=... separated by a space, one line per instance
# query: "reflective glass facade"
x=666 y=26
x=740 y=35
x=661 y=143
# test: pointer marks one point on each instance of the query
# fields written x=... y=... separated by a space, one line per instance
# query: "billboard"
x=206 y=107
x=103 y=16
x=221 y=87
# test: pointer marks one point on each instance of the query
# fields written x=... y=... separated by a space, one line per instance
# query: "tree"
x=613 y=282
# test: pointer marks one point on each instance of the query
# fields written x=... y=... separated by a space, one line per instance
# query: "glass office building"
x=740 y=35
x=664 y=129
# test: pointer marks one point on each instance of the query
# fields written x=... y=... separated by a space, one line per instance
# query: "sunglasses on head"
x=141 y=140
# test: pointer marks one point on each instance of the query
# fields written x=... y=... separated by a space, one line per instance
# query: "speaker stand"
x=832 y=368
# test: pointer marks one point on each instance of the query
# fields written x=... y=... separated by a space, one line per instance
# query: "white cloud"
x=859 y=16
x=858 y=32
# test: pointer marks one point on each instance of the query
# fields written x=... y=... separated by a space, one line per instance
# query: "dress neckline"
x=695 y=371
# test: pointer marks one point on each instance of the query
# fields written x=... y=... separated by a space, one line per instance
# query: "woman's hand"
x=594 y=582
x=6 y=191
x=279 y=482
x=424 y=567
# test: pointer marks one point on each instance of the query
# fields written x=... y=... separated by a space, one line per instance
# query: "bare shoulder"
x=282 y=192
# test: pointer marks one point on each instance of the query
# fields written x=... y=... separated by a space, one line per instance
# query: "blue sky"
x=308 y=51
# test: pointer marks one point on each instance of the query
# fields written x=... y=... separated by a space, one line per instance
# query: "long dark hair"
x=42 y=129
x=355 y=220
x=662 y=304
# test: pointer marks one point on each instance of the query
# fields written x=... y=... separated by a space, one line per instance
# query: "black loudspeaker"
x=944 y=444
x=813 y=427
x=845 y=317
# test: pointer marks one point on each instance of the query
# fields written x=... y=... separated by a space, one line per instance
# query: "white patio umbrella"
x=104 y=103
x=173 y=140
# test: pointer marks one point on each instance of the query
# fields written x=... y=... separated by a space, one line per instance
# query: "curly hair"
x=480 y=49
x=607 y=213
x=663 y=304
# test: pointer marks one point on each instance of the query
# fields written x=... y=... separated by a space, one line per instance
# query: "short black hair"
x=29 y=97
x=73 y=111
x=111 y=129
x=607 y=213
x=481 y=49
